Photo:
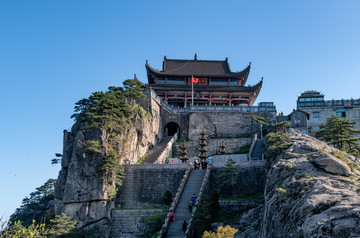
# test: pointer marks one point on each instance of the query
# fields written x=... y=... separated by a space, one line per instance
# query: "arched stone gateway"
x=171 y=128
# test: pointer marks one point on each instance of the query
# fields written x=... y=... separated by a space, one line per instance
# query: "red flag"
x=194 y=80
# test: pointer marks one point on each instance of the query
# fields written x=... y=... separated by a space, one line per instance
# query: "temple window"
x=219 y=81
x=160 y=80
x=316 y=114
x=233 y=82
x=178 y=81
x=340 y=113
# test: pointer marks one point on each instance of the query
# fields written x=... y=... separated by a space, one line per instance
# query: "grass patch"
x=342 y=157
x=282 y=193
x=244 y=150
x=142 y=159
x=351 y=177
x=308 y=176
x=290 y=166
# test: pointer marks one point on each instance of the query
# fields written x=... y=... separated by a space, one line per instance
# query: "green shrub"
x=244 y=150
x=154 y=223
x=142 y=159
x=167 y=198
x=92 y=146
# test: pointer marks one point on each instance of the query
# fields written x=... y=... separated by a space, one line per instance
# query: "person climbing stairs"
x=182 y=212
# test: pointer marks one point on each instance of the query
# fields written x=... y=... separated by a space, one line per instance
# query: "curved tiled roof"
x=198 y=68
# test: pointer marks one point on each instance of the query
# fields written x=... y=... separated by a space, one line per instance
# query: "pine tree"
x=341 y=134
x=227 y=177
x=39 y=206
x=61 y=225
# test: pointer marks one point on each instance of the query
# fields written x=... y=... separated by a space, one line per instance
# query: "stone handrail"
x=198 y=200
x=252 y=146
x=209 y=108
x=230 y=108
x=342 y=102
x=166 y=151
x=176 y=199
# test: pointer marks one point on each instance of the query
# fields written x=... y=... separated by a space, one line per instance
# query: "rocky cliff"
x=312 y=190
x=82 y=191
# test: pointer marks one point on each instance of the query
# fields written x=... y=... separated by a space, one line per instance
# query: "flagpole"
x=192 y=90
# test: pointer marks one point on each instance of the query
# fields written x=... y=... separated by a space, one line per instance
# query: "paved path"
x=182 y=211
x=258 y=149
x=154 y=153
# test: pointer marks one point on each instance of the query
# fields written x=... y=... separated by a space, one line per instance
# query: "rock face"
x=81 y=191
x=310 y=192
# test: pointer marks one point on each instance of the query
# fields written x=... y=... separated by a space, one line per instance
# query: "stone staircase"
x=154 y=153
x=258 y=149
x=182 y=211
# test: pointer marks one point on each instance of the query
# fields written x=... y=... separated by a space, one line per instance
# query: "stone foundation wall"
x=146 y=184
x=314 y=124
x=237 y=206
x=250 y=179
x=232 y=146
x=226 y=124
x=131 y=223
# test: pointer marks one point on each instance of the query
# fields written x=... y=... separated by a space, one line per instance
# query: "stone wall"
x=237 y=206
x=249 y=180
x=353 y=114
x=232 y=146
x=131 y=223
x=224 y=124
x=146 y=184
x=182 y=120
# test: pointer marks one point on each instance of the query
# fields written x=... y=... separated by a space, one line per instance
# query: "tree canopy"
x=39 y=206
x=60 y=226
x=341 y=134
x=110 y=105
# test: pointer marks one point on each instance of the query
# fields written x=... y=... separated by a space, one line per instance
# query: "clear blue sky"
x=53 y=53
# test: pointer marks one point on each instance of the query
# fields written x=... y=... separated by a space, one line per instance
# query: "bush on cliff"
x=114 y=111
x=277 y=139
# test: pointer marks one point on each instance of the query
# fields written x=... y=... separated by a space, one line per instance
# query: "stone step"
x=182 y=211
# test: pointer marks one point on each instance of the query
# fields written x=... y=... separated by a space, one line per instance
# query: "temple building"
x=216 y=83
x=319 y=109
x=313 y=111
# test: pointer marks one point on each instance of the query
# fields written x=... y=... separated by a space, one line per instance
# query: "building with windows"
x=319 y=109
x=216 y=83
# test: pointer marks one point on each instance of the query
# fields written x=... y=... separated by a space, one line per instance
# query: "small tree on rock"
x=341 y=134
